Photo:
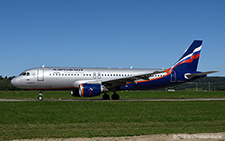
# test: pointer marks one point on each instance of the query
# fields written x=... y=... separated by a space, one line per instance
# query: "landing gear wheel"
x=40 y=97
x=105 y=97
x=115 y=96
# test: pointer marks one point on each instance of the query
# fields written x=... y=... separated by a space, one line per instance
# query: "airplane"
x=89 y=82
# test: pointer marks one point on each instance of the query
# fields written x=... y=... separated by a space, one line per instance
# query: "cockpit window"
x=25 y=74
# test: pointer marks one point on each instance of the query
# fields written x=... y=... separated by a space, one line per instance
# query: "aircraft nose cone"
x=14 y=82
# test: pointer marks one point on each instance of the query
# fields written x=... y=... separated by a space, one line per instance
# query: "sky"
x=109 y=33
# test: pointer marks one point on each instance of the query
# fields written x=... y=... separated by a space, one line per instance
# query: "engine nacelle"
x=89 y=90
x=75 y=92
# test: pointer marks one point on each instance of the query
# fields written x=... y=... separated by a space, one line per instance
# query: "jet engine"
x=75 y=92
x=89 y=90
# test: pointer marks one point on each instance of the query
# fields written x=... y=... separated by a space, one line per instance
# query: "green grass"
x=52 y=119
x=123 y=95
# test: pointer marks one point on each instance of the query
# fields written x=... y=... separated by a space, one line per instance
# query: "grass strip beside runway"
x=51 y=119
x=123 y=95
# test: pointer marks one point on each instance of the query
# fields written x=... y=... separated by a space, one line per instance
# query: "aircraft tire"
x=105 y=97
x=40 y=97
x=115 y=97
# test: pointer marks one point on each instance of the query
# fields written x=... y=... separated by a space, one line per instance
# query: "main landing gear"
x=105 y=97
x=40 y=97
x=115 y=96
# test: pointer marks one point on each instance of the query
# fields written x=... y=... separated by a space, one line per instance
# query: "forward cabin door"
x=40 y=74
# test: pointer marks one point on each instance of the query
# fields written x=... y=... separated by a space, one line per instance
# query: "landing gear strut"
x=105 y=97
x=40 y=97
x=115 y=96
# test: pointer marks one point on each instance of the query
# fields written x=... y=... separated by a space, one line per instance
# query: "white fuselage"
x=70 y=78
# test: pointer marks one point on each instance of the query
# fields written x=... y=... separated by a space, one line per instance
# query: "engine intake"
x=89 y=90
x=75 y=92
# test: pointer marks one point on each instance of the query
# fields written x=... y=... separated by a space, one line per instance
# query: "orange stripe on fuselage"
x=141 y=81
x=167 y=71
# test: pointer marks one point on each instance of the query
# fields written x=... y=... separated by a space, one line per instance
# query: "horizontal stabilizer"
x=189 y=76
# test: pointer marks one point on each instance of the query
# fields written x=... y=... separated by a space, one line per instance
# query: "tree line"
x=207 y=83
x=5 y=83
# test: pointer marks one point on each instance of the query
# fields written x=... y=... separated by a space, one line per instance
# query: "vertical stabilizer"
x=189 y=60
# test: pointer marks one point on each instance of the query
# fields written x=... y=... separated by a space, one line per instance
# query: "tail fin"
x=189 y=60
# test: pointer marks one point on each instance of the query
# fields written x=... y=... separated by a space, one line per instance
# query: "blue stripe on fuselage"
x=153 y=84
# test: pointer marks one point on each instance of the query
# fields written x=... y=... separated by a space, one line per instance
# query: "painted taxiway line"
x=196 y=99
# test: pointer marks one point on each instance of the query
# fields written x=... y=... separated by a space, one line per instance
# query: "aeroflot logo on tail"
x=76 y=69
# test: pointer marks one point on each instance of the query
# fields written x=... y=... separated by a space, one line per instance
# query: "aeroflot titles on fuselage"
x=70 y=69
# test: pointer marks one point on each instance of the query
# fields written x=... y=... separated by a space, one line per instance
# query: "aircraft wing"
x=122 y=81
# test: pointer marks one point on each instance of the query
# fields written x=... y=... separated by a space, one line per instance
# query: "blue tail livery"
x=88 y=82
x=189 y=61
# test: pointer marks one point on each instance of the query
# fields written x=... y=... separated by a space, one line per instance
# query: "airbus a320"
x=89 y=82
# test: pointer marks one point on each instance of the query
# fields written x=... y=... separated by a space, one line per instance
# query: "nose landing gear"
x=40 y=97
